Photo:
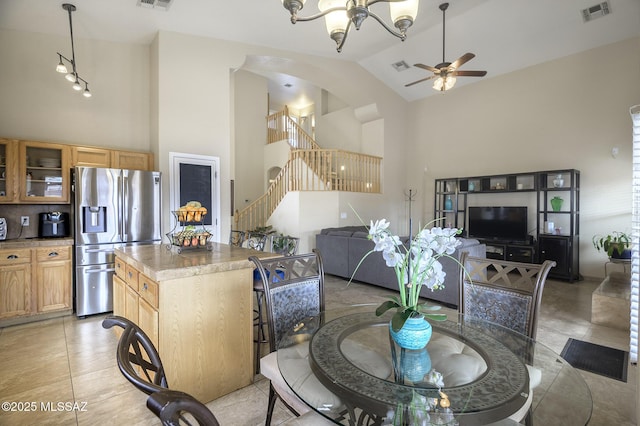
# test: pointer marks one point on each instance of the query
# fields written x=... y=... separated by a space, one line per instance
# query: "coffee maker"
x=53 y=224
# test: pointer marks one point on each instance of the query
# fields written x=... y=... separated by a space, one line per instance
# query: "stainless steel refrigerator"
x=112 y=208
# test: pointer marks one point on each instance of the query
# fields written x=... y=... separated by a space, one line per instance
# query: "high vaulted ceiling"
x=505 y=35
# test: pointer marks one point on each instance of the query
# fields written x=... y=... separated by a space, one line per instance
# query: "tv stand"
x=511 y=251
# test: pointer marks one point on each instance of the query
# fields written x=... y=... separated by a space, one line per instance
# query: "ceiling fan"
x=445 y=73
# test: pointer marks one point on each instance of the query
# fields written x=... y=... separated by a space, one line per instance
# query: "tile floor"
x=67 y=360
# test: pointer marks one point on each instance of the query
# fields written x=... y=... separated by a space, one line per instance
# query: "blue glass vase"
x=414 y=334
x=448 y=204
x=415 y=365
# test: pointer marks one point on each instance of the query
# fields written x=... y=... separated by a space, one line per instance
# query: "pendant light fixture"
x=72 y=74
x=342 y=15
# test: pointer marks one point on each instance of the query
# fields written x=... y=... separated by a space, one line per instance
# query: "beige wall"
x=567 y=113
x=38 y=103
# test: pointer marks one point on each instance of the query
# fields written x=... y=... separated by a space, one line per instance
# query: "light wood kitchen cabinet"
x=35 y=280
x=90 y=156
x=15 y=283
x=148 y=320
x=53 y=272
x=119 y=296
x=8 y=170
x=43 y=173
x=131 y=160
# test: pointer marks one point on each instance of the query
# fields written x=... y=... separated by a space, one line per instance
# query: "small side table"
x=626 y=265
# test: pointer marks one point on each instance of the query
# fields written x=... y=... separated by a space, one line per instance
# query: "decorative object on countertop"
x=556 y=204
x=617 y=244
x=415 y=266
x=558 y=182
x=191 y=235
x=414 y=334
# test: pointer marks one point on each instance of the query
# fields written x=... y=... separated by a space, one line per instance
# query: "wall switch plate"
x=24 y=220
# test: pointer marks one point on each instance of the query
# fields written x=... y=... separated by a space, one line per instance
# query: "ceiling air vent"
x=155 y=4
x=400 y=66
x=597 y=11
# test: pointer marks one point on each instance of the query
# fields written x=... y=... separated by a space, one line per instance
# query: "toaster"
x=53 y=224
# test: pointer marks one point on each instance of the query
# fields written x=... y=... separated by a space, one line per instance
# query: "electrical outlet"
x=24 y=220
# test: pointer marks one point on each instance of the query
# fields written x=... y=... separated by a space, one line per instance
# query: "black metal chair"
x=140 y=363
x=137 y=357
x=507 y=294
x=175 y=408
x=236 y=238
x=255 y=240
x=287 y=278
x=285 y=246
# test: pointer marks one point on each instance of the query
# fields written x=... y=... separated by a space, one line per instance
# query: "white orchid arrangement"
x=415 y=266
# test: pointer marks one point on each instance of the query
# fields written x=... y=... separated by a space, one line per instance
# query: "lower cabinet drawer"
x=45 y=254
x=148 y=290
x=15 y=256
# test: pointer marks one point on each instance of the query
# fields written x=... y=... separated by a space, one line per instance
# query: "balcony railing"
x=281 y=126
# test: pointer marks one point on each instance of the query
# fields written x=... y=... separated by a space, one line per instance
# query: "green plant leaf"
x=436 y=317
x=398 y=320
x=385 y=306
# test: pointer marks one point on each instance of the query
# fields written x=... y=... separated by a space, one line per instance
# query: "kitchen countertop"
x=35 y=242
x=160 y=264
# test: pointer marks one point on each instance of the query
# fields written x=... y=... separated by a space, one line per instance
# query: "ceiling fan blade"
x=462 y=60
x=421 y=80
x=427 y=67
x=469 y=73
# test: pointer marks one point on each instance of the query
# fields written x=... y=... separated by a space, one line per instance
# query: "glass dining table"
x=345 y=366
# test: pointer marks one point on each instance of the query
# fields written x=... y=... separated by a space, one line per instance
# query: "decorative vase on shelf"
x=556 y=204
x=414 y=334
x=558 y=182
x=448 y=204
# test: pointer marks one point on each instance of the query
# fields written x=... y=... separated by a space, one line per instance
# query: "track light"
x=72 y=75
x=61 y=68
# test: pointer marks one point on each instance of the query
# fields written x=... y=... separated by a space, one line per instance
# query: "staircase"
x=309 y=168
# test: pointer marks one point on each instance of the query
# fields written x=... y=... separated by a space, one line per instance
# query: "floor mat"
x=602 y=360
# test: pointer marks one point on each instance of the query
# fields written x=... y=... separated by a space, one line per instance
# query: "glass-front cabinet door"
x=44 y=172
x=8 y=169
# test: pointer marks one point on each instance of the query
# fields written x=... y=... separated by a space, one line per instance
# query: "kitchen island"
x=197 y=308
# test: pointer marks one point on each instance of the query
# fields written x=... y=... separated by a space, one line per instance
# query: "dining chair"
x=285 y=246
x=175 y=408
x=294 y=290
x=236 y=238
x=507 y=294
x=140 y=364
x=254 y=240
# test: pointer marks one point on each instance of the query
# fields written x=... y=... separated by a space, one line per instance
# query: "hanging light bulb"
x=61 y=68
x=86 y=93
x=76 y=85
x=70 y=77
x=444 y=83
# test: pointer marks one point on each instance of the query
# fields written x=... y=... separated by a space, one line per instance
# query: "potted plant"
x=616 y=244
x=415 y=266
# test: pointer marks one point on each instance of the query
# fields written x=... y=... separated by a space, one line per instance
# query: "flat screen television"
x=499 y=223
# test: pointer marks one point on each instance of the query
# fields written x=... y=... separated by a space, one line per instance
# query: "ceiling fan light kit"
x=72 y=76
x=341 y=16
x=445 y=72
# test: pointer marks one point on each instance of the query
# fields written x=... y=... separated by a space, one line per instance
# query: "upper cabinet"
x=100 y=157
x=44 y=172
x=131 y=160
x=34 y=172
x=8 y=170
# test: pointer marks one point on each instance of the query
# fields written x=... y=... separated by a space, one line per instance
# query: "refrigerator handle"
x=120 y=207
x=125 y=205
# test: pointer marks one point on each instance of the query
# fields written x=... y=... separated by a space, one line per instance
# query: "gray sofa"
x=343 y=248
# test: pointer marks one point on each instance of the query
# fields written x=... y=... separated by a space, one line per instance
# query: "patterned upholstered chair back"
x=236 y=238
x=284 y=245
x=294 y=290
x=255 y=240
x=505 y=293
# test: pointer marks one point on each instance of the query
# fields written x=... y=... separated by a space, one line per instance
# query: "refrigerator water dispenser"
x=94 y=219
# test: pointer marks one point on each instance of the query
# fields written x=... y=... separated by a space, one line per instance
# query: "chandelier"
x=72 y=75
x=342 y=15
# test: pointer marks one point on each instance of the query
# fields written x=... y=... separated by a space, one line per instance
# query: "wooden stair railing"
x=280 y=126
x=313 y=170
x=309 y=168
